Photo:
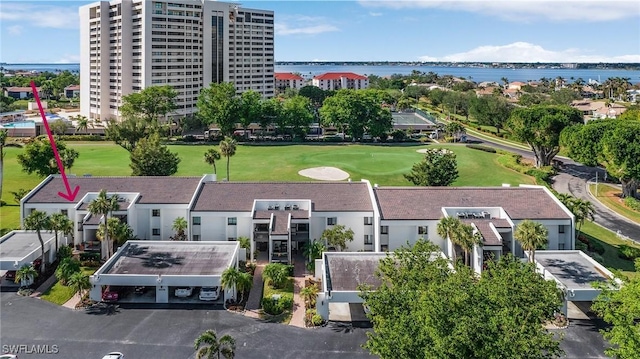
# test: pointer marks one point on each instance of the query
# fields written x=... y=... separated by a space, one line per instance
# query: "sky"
x=379 y=30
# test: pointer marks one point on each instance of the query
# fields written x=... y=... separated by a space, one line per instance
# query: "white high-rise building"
x=128 y=45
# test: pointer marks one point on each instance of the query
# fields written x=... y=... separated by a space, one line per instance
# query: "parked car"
x=209 y=293
x=184 y=292
x=114 y=355
x=140 y=290
x=8 y=356
x=110 y=294
x=10 y=276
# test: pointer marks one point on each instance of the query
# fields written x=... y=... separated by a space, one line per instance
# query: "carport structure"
x=18 y=248
x=574 y=272
x=165 y=265
x=342 y=273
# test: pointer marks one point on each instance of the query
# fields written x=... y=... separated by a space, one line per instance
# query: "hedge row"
x=542 y=175
x=277 y=306
x=632 y=203
x=482 y=148
x=628 y=252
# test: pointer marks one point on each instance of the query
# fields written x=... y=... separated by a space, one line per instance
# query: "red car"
x=110 y=294
x=10 y=276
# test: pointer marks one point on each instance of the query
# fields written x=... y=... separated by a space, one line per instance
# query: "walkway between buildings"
x=252 y=308
x=299 y=272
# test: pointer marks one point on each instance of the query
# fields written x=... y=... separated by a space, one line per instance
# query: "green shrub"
x=632 y=203
x=628 y=252
x=581 y=246
x=317 y=320
x=277 y=306
x=597 y=247
x=64 y=252
x=277 y=273
x=83 y=138
x=13 y=144
x=597 y=257
x=66 y=269
x=90 y=257
x=482 y=148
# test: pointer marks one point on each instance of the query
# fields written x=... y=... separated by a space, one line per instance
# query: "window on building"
x=423 y=230
x=65 y=212
x=561 y=229
x=196 y=237
x=384 y=229
x=231 y=238
x=156 y=231
x=332 y=221
x=195 y=221
x=561 y=246
x=368 y=221
x=368 y=239
x=155 y=213
x=232 y=221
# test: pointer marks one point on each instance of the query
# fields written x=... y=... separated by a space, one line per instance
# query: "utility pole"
x=596 y=184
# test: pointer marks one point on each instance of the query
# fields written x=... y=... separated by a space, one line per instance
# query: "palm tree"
x=103 y=205
x=449 y=228
x=58 y=222
x=229 y=279
x=208 y=346
x=467 y=239
x=244 y=284
x=228 y=149
x=68 y=230
x=38 y=221
x=211 y=156
x=532 y=235
x=3 y=142
x=309 y=295
x=79 y=282
x=245 y=243
x=313 y=251
x=82 y=123
x=179 y=225
x=25 y=275
x=582 y=210
x=505 y=81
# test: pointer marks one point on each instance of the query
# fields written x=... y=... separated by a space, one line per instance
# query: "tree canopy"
x=38 y=157
x=151 y=158
x=614 y=144
x=490 y=110
x=424 y=309
x=540 y=127
x=357 y=112
x=128 y=132
x=337 y=236
x=150 y=104
x=438 y=168
x=219 y=104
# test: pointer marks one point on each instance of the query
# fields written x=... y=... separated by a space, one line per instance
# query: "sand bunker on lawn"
x=325 y=173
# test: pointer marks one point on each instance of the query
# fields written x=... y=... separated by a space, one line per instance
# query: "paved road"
x=162 y=333
x=573 y=180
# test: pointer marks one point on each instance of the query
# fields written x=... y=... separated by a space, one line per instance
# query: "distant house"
x=592 y=110
x=634 y=95
x=340 y=80
x=72 y=91
x=516 y=85
x=285 y=80
x=19 y=93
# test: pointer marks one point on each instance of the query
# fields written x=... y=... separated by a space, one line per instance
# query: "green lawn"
x=60 y=294
x=384 y=165
x=610 y=241
x=610 y=197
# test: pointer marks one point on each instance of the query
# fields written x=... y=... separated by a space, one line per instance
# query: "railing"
x=260 y=236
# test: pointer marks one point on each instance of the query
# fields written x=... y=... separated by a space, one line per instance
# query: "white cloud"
x=375 y=14
x=38 y=15
x=527 y=52
x=15 y=30
x=525 y=10
x=303 y=25
x=68 y=59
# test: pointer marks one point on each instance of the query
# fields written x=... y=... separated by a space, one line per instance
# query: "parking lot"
x=168 y=331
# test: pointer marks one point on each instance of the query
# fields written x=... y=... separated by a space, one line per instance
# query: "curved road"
x=573 y=179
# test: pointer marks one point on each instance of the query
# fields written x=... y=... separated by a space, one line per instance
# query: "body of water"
x=473 y=73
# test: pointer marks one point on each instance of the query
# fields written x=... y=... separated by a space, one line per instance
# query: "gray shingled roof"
x=280 y=224
x=324 y=196
x=294 y=214
x=420 y=203
x=171 y=190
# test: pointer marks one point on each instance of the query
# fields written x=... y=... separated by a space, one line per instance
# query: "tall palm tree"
x=38 y=221
x=208 y=346
x=25 y=275
x=211 y=156
x=245 y=243
x=229 y=279
x=449 y=228
x=228 y=149
x=244 y=284
x=532 y=235
x=68 y=230
x=583 y=210
x=58 y=222
x=179 y=225
x=3 y=142
x=79 y=282
x=104 y=205
x=467 y=239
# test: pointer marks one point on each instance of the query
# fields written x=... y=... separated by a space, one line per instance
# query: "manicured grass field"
x=610 y=197
x=60 y=294
x=610 y=242
x=384 y=165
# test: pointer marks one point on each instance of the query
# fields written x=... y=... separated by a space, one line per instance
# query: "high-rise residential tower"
x=128 y=45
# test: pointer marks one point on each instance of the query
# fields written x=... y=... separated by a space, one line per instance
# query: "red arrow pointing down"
x=70 y=195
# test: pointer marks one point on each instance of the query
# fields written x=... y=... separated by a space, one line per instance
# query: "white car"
x=209 y=293
x=114 y=355
x=184 y=292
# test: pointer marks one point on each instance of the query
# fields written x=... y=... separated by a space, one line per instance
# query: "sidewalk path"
x=71 y=303
x=299 y=271
x=44 y=286
x=252 y=308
